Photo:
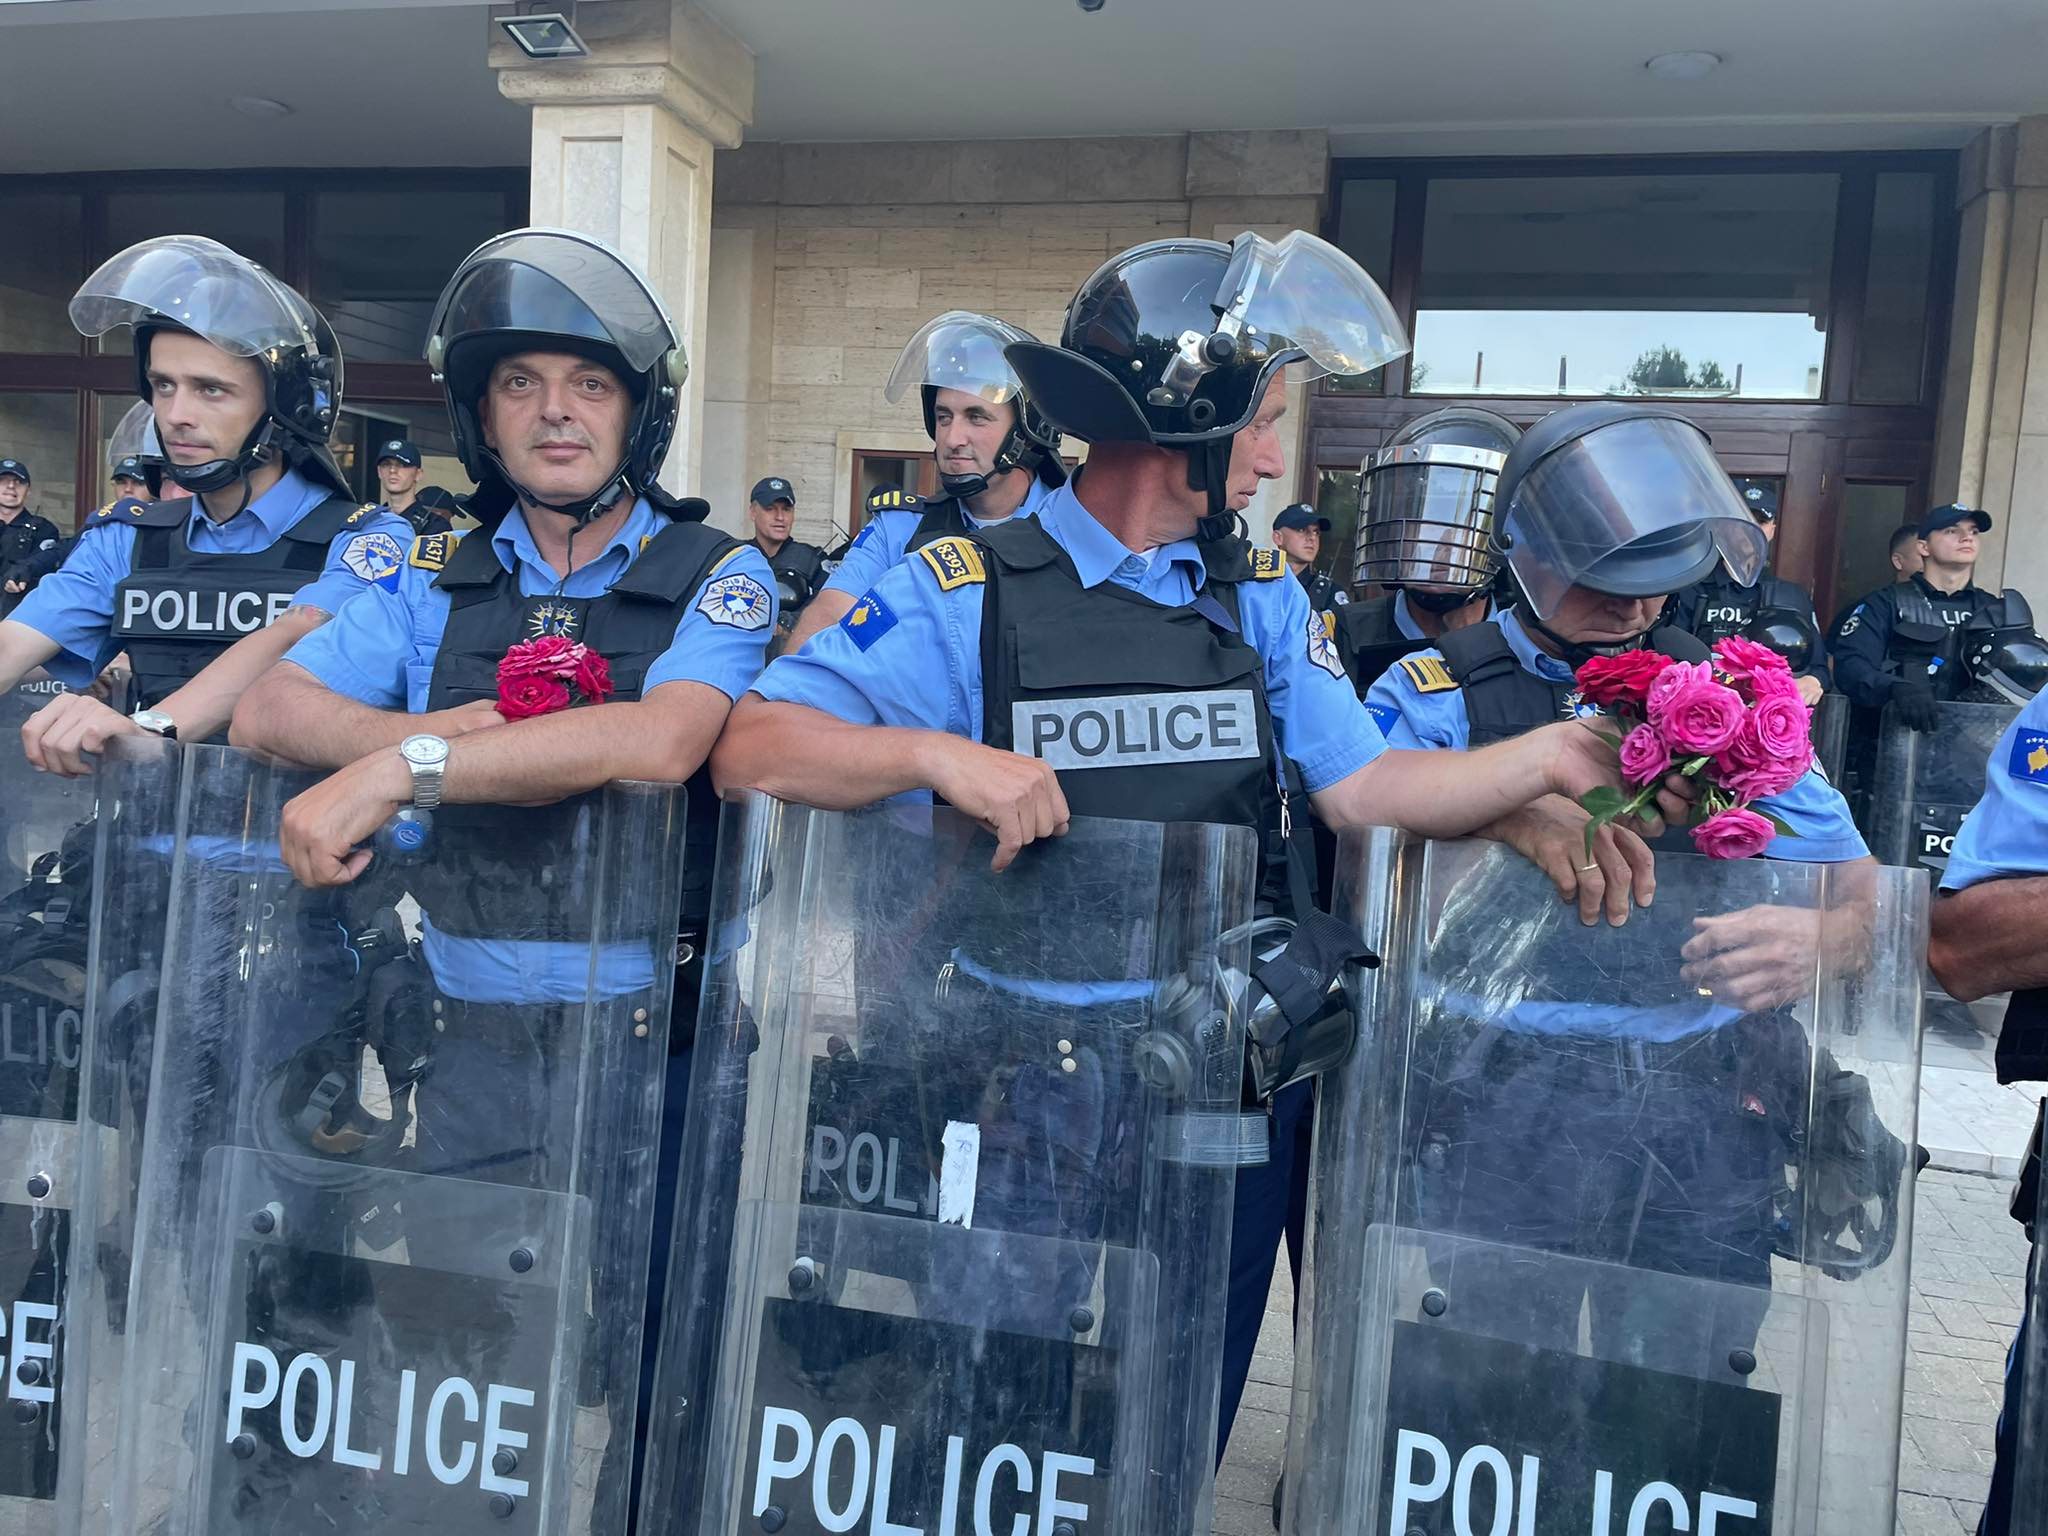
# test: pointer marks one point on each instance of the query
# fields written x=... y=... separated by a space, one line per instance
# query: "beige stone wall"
x=870 y=241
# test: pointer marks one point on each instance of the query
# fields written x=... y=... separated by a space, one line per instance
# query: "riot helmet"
x=551 y=290
x=2004 y=653
x=198 y=286
x=1425 y=506
x=1788 y=632
x=1174 y=343
x=964 y=351
x=1622 y=498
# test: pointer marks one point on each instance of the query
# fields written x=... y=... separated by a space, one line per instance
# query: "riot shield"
x=396 y=1190
x=1831 y=735
x=1610 y=1226
x=45 y=1211
x=966 y=1142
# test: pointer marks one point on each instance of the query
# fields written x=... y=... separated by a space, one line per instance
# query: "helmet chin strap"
x=1575 y=653
x=219 y=474
x=585 y=510
x=1209 y=472
x=1017 y=452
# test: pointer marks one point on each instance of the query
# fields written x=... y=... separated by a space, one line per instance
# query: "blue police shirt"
x=909 y=652
x=2006 y=833
x=885 y=538
x=380 y=649
x=73 y=606
x=1822 y=832
x=1404 y=621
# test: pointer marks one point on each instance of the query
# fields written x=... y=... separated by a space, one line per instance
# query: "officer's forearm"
x=1440 y=794
x=1991 y=937
x=663 y=739
x=203 y=706
x=811 y=758
x=290 y=714
x=825 y=608
x=22 y=650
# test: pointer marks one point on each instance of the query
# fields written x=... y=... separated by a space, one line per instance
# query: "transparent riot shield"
x=1831 y=735
x=45 y=1215
x=957 y=1256
x=396 y=1190
x=1610 y=1226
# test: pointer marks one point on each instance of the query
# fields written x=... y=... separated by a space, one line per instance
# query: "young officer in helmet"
x=1425 y=516
x=998 y=457
x=205 y=592
x=1602 y=510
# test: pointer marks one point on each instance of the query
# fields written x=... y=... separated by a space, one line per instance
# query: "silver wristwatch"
x=157 y=723
x=427 y=757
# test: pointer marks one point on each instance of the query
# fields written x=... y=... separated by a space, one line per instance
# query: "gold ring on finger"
x=1584 y=868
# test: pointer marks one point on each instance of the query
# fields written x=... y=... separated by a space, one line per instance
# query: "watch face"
x=424 y=750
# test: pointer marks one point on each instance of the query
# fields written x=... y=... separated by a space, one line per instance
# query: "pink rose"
x=1755 y=765
x=1743 y=660
x=1733 y=834
x=593 y=675
x=1645 y=756
x=1784 y=726
x=1695 y=713
x=1775 y=685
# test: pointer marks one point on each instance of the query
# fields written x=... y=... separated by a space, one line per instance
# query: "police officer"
x=1990 y=935
x=1902 y=645
x=1626 y=507
x=798 y=567
x=997 y=455
x=434 y=510
x=1123 y=653
x=203 y=594
x=562 y=374
x=1718 y=606
x=398 y=476
x=130 y=479
x=1298 y=534
x=1425 y=512
x=23 y=534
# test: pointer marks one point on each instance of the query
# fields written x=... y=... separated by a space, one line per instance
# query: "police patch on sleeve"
x=374 y=558
x=955 y=561
x=868 y=620
x=2029 y=760
x=1322 y=649
x=430 y=551
x=737 y=601
x=1268 y=564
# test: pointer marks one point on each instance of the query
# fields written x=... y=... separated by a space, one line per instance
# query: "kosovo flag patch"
x=868 y=620
x=2029 y=760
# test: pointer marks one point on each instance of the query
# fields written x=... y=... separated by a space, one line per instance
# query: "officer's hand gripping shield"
x=396 y=1193
x=956 y=1252
x=47 y=1213
x=1610 y=1226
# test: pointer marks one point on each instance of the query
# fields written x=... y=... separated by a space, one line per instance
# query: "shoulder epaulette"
x=430 y=551
x=717 y=564
x=1268 y=564
x=120 y=509
x=955 y=561
x=893 y=500
x=359 y=514
x=1428 y=674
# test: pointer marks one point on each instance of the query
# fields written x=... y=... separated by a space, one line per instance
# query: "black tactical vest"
x=1915 y=604
x=475 y=892
x=1369 y=640
x=938 y=520
x=1147 y=712
x=175 y=611
x=1502 y=697
x=1721 y=608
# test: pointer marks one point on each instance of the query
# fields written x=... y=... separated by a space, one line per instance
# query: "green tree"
x=1659 y=369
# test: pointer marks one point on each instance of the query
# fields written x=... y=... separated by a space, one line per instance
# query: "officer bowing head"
x=561 y=372
x=997 y=455
x=1601 y=510
x=243 y=379
x=1146 y=663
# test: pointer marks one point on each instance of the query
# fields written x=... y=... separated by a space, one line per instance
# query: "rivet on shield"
x=640 y=1031
x=521 y=1260
x=264 y=1221
x=1067 y=1064
x=803 y=1274
x=502 y=1505
x=505 y=1462
x=640 y=1017
x=1066 y=1047
x=243 y=1446
x=1080 y=1320
x=27 y=1413
x=39 y=1186
x=30 y=1373
x=772 y=1518
x=1741 y=1361
x=1063 y=1528
x=1435 y=1302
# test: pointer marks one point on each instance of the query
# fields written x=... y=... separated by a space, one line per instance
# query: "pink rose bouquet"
x=538 y=677
x=1736 y=725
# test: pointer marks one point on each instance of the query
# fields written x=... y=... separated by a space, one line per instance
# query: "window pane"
x=381 y=258
x=1892 y=341
x=1337 y=499
x=1365 y=233
x=1871 y=512
x=366 y=425
x=42 y=432
x=251 y=223
x=1712 y=286
x=40 y=265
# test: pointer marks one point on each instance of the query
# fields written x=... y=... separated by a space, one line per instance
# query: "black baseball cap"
x=1761 y=499
x=129 y=468
x=767 y=492
x=1302 y=515
x=15 y=468
x=1936 y=520
x=400 y=449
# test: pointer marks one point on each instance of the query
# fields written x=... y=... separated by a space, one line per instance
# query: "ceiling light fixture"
x=546 y=35
x=259 y=106
x=1689 y=65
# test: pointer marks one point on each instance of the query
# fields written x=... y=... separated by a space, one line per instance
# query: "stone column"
x=622 y=150
x=1991 y=447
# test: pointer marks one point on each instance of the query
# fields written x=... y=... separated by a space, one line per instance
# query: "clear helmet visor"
x=555 y=283
x=1302 y=292
x=959 y=350
x=200 y=286
x=1443 y=556
x=1640 y=508
x=135 y=435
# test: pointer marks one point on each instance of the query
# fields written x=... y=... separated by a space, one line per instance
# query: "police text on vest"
x=1132 y=730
